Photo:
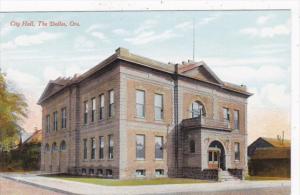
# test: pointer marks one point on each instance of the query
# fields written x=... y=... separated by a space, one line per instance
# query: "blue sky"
x=244 y=47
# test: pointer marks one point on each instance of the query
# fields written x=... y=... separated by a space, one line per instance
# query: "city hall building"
x=134 y=117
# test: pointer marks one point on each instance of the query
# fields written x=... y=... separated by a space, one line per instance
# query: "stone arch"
x=63 y=145
x=219 y=146
x=197 y=107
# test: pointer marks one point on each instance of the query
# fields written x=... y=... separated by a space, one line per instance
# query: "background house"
x=270 y=157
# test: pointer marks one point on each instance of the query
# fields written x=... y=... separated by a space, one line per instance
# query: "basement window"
x=140 y=173
x=159 y=172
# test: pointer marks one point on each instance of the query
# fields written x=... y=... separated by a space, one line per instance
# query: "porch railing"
x=205 y=122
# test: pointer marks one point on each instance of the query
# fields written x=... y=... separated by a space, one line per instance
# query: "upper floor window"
x=48 y=123
x=101 y=147
x=93 y=109
x=111 y=112
x=197 y=109
x=158 y=104
x=237 y=151
x=226 y=114
x=63 y=118
x=140 y=147
x=236 y=117
x=55 y=122
x=93 y=148
x=140 y=103
x=85 y=149
x=192 y=146
x=159 y=152
x=110 y=147
x=86 y=111
x=101 y=106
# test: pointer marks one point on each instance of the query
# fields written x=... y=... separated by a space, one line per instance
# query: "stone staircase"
x=226 y=176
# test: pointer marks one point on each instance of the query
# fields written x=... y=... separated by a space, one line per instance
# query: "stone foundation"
x=236 y=172
x=197 y=173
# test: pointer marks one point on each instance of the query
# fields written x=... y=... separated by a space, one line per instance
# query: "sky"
x=243 y=47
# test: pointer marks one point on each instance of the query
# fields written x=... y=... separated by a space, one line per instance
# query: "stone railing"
x=205 y=122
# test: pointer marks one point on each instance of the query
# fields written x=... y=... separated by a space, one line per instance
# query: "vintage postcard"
x=165 y=100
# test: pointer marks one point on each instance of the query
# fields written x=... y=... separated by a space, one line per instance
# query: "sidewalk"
x=70 y=187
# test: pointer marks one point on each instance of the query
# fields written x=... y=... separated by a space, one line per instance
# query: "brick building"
x=131 y=116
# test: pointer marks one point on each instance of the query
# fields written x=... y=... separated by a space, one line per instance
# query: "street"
x=31 y=184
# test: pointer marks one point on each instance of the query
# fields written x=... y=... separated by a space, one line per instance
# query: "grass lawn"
x=137 y=182
x=260 y=178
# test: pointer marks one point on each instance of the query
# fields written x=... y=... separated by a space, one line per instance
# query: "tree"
x=13 y=109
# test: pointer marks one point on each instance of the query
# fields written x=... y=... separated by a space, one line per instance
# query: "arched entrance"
x=216 y=155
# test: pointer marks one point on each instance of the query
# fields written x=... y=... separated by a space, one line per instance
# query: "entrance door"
x=216 y=156
x=213 y=159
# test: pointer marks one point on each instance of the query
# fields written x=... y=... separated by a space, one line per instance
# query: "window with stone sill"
x=111 y=111
x=93 y=109
x=140 y=103
x=159 y=172
x=140 y=173
x=158 y=107
x=86 y=111
x=101 y=107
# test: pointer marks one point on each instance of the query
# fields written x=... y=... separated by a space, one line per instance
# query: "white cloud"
x=270 y=95
x=145 y=26
x=150 y=36
x=120 y=31
x=82 y=43
x=184 y=25
x=94 y=30
x=208 y=19
x=256 y=61
x=28 y=40
x=267 y=32
x=145 y=34
x=94 y=27
x=245 y=74
x=99 y=35
x=263 y=19
x=5 y=29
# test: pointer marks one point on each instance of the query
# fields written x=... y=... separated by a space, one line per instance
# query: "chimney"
x=122 y=51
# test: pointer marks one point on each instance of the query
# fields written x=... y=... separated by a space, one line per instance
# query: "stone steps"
x=226 y=176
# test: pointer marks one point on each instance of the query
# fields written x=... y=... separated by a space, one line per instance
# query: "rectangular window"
x=226 y=116
x=85 y=149
x=140 y=147
x=110 y=147
x=55 y=121
x=159 y=172
x=86 y=112
x=236 y=119
x=140 y=103
x=101 y=147
x=109 y=173
x=48 y=123
x=63 y=118
x=111 y=112
x=93 y=148
x=140 y=173
x=237 y=151
x=226 y=113
x=159 y=152
x=158 y=106
x=93 y=109
x=101 y=107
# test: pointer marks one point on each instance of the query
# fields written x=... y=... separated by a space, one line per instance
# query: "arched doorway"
x=216 y=155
